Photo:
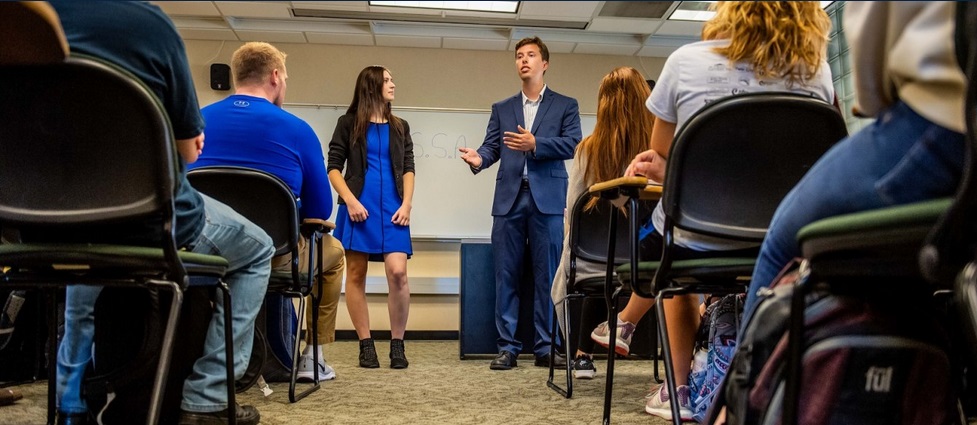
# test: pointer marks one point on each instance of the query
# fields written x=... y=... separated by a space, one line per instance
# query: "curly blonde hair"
x=780 y=39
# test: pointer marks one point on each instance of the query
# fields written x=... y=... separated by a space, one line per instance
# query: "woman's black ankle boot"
x=368 y=354
x=397 y=358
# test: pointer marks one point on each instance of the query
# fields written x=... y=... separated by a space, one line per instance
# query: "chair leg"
x=568 y=392
x=292 y=396
x=229 y=354
x=656 y=354
x=166 y=350
x=669 y=361
x=52 y=353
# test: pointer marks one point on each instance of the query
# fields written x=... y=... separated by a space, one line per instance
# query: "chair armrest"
x=312 y=225
x=627 y=186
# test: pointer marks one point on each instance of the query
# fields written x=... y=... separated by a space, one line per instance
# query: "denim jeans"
x=900 y=159
x=248 y=250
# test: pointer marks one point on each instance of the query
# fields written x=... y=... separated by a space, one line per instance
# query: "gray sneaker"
x=659 y=405
x=583 y=368
x=307 y=373
x=625 y=330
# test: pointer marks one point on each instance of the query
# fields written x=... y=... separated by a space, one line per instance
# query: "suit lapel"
x=517 y=111
x=544 y=105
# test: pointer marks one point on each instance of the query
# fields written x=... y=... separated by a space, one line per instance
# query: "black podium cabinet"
x=477 y=334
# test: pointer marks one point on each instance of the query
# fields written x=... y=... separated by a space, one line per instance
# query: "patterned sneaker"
x=625 y=330
x=658 y=403
x=583 y=367
x=307 y=373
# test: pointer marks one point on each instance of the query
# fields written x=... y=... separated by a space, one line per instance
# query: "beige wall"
x=441 y=78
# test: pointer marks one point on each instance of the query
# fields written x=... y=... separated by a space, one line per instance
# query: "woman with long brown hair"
x=375 y=202
x=623 y=130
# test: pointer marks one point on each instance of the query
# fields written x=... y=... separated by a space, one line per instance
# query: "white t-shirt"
x=695 y=75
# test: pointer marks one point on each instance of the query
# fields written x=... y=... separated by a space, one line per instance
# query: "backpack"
x=866 y=360
x=715 y=346
x=128 y=340
x=278 y=320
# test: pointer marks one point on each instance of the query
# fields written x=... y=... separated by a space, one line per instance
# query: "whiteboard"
x=449 y=201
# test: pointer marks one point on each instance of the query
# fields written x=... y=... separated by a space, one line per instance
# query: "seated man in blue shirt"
x=146 y=44
x=250 y=129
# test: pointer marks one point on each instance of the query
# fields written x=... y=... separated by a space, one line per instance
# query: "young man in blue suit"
x=531 y=134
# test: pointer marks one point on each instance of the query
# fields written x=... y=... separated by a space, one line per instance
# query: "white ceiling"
x=583 y=27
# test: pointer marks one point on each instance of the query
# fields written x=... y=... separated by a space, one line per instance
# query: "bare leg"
x=636 y=308
x=398 y=298
x=359 y=313
x=682 y=316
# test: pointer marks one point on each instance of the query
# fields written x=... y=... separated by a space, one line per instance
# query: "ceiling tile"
x=624 y=25
x=332 y=38
x=606 y=49
x=405 y=41
x=272 y=36
x=474 y=44
x=557 y=10
x=191 y=8
x=206 y=34
x=254 y=9
x=681 y=28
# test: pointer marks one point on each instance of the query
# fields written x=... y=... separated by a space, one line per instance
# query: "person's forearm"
x=408 y=189
x=339 y=183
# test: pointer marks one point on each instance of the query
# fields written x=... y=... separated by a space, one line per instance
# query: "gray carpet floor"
x=437 y=388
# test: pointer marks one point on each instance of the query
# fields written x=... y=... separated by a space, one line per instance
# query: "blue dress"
x=377 y=235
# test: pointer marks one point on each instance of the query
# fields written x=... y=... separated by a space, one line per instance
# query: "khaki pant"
x=333 y=262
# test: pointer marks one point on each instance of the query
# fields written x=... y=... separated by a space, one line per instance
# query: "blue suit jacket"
x=557 y=131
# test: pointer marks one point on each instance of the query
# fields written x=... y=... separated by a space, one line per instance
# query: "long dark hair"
x=367 y=98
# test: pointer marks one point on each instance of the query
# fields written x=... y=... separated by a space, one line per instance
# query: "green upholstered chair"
x=84 y=143
x=269 y=203
x=729 y=167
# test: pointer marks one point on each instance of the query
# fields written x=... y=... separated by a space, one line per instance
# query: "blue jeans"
x=248 y=250
x=900 y=159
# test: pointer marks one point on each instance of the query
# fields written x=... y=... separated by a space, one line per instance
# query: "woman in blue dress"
x=375 y=195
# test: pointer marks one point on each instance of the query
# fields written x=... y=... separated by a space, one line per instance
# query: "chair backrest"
x=953 y=242
x=262 y=198
x=734 y=161
x=589 y=231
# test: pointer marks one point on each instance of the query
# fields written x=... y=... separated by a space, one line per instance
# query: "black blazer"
x=401 y=155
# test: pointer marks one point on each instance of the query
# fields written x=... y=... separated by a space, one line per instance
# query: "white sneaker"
x=307 y=373
x=659 y=405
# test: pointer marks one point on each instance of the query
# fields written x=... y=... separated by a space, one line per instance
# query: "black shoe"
x=368 y=354
x=504 y=361
x=398 y=360
x=245 y=415
x=73 y=418
x=544 y=361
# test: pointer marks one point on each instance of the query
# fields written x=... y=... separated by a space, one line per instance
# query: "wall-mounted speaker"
x=220 y=76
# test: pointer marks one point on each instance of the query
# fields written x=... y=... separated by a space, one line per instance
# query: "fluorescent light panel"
x=478 y=6
x=699 y=10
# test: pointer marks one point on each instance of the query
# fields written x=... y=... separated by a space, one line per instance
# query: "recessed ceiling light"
x=478 y=6
x=699 y=10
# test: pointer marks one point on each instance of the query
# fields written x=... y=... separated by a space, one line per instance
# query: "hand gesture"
x=471 y=157
x=356 y=211
x=521 y=141
x=649 y=164
x=402 y=216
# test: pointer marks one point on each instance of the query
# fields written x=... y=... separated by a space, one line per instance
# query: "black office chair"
x=729 y=168
x=268 y=202
x=919 y=247
x=85 y=143
x=588 y=240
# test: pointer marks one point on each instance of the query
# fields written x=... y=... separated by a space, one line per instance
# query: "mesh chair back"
x=734 y=161
x=82 y=141
x=262 y=198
